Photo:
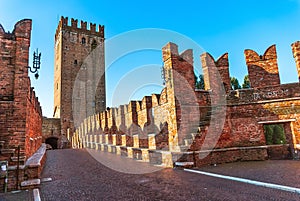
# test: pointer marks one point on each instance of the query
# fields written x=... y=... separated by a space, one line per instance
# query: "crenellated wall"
x=20 y=110
x=216 y=73
x=218 y=123
x=296 y=54
x=20 y=114
x=34 y=120
x=64 y=24
x=263 y=69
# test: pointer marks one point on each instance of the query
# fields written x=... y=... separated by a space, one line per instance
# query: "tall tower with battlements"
x=79 y=60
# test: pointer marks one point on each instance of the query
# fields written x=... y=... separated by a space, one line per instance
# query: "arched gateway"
x=52 y=141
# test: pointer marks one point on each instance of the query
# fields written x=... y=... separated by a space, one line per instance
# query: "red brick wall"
x=223 y=118
x=296 y=54
x=33 y=124
x=216 y=73
x=262 y=69
x=222 y=65
x=20 y=113
x=145 y=120
x=120 y=120
x=68 y=48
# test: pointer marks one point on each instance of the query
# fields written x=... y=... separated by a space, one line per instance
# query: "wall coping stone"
x=35 y=159
x=31 y=182
x=14 y=167
x=232 y=149
x=276 y=121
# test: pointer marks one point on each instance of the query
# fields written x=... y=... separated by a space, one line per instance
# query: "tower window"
x=75 y=61
x=83 y=40
x=94 y=44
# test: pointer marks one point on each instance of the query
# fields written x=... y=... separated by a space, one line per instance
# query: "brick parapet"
x=270 y=93
x=64 y=23
x=296 y=54
x=120 y=120
x=144 y=112
x=27 y=113
x=216 y=73
x=263 y=69
x=111 y=120
x=21 y=113
x=173 y=111
x=222 y=65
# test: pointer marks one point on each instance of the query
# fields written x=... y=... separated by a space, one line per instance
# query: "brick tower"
x=79 y=55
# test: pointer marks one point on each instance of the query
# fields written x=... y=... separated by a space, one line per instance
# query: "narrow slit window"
x=83 y=41
x=94 y=44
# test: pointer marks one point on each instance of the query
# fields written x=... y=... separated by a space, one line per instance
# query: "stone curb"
x=36 y=195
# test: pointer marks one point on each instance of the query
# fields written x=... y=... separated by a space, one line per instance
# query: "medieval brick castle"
x=181 y=124
x=208 y=126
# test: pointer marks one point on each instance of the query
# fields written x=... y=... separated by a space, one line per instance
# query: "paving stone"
x=78 y=176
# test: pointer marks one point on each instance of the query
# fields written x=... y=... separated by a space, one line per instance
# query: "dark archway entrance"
x=52 y=141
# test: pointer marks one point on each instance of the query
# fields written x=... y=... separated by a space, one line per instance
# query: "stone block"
x=106 y=139
x=114 y=139
x=145 y=155
x=151 y=141
x=135 y=140
x=124 y=140
x=109 y=148
x=129 y=152
x=118 y=150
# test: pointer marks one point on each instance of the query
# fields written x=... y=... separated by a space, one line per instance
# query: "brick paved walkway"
x=78 y=176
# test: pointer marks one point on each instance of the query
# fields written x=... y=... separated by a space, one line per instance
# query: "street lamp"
x=36 y=64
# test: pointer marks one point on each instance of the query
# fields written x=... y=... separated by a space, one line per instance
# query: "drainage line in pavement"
x=248 y=181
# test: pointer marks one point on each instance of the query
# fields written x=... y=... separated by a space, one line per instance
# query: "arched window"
x=83 y=40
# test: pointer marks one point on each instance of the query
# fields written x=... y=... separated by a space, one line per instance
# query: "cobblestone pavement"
x=282 y=172
x=78 y=176
x=25 y=195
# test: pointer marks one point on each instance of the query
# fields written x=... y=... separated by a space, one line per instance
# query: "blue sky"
x=215 y=26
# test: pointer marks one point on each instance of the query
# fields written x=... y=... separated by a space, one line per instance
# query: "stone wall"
x=51 y=129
